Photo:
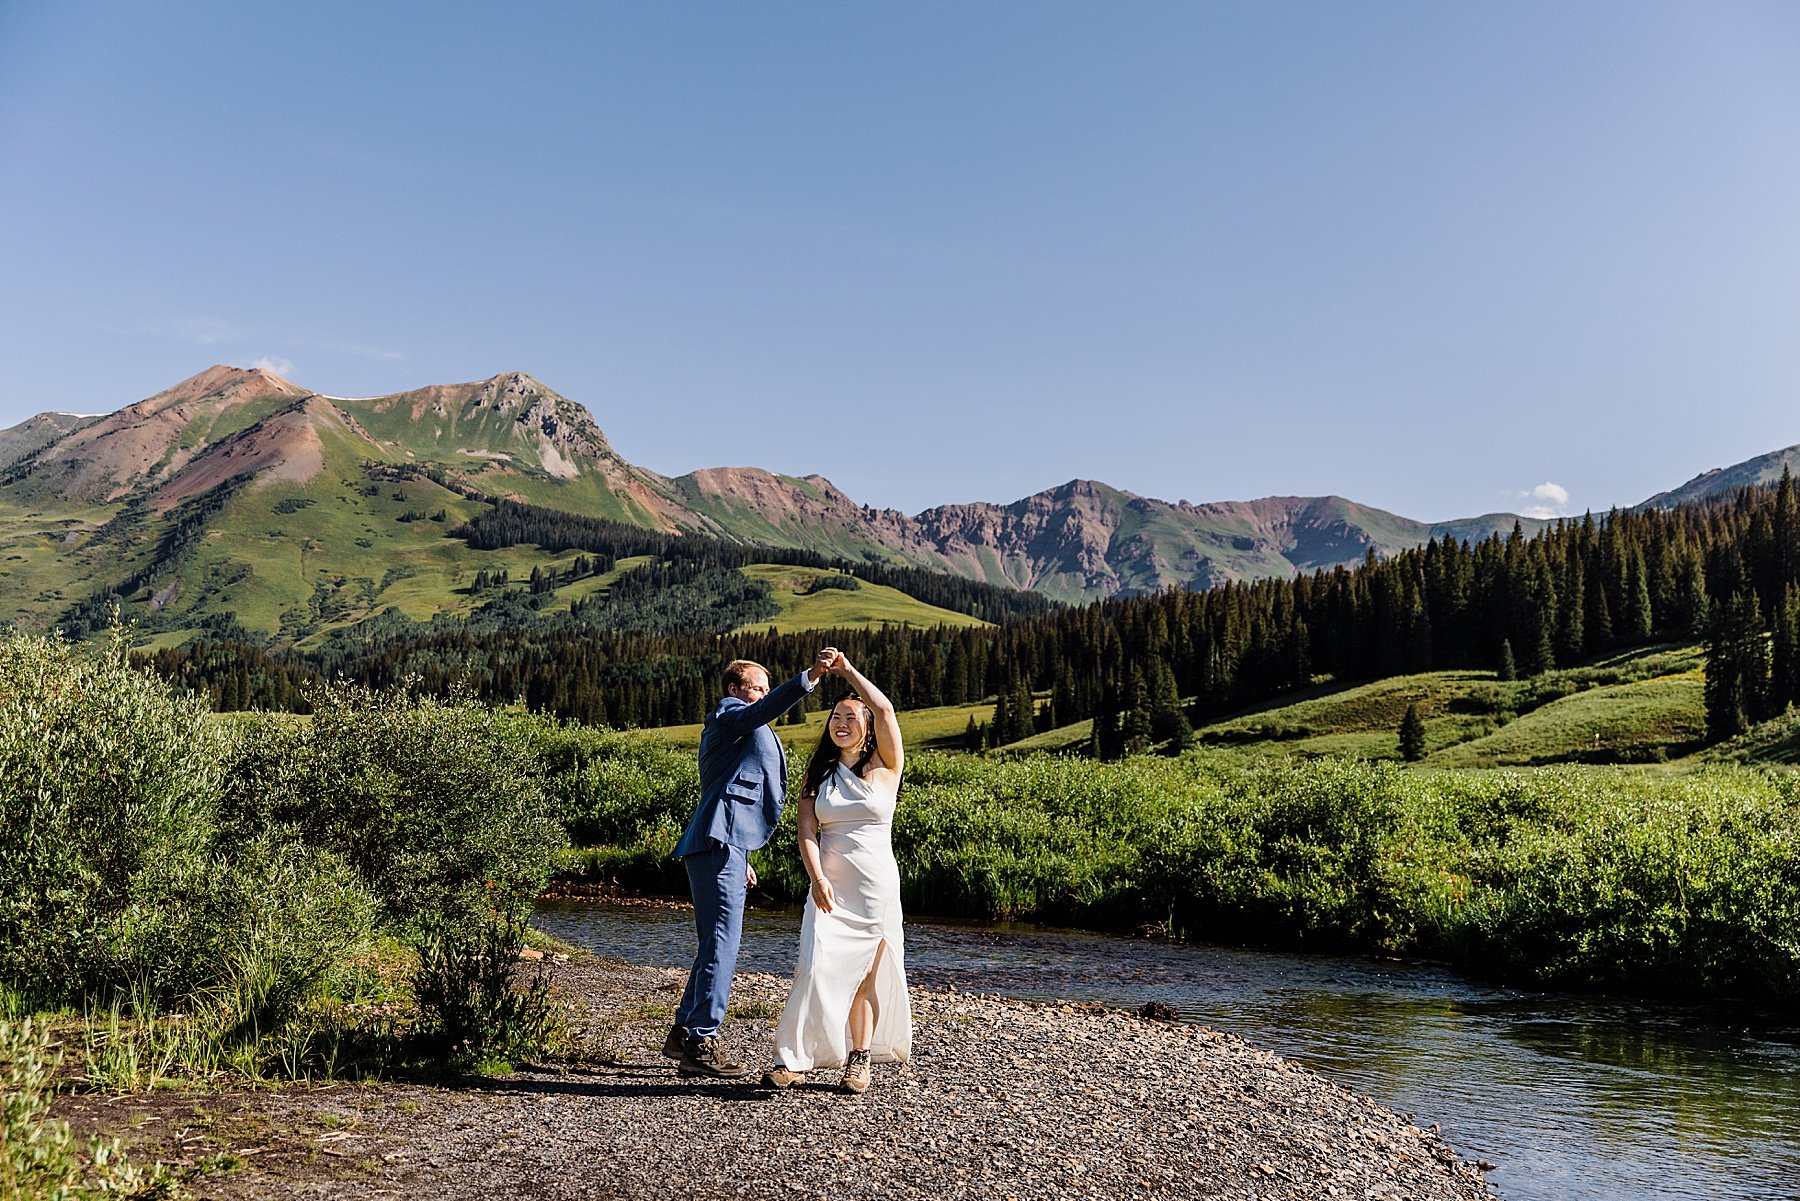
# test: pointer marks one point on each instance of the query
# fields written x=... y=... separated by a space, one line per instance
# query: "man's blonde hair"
x=737 y=669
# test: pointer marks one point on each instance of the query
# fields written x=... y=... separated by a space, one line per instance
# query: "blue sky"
x=1429 y=257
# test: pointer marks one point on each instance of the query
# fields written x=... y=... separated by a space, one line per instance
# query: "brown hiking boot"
x=702 y=1057
x=781 y=1076
x=672 y=1045
x=856 y=1072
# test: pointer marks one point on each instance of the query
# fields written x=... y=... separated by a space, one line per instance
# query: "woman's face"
x=849 y=725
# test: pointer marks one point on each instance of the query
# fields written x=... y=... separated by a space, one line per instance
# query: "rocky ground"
x=1003 y=1099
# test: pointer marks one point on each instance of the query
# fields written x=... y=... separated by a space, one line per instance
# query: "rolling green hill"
x=1645 y=706
x=804 y=608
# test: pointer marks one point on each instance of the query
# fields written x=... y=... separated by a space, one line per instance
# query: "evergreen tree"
x=1694 y=600
x=1508 y=669
x=1599 y=617
x=1737 y=668
x=1014 y=712
x=1571 y=636
x=1107 y=741
x=1024 y=709
x=1002 y=720
x=1784 y=667
x=1538 y=620
x=1167 y=722
x=1640 y=621
x=1136 y=730
x=1412 y=735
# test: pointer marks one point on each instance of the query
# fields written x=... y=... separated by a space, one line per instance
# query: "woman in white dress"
x=848 y=1004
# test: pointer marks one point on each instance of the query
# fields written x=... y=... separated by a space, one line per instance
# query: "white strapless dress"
x=856 y=851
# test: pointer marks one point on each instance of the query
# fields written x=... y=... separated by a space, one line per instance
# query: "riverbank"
x=1627 y=881
x=1003 y=1099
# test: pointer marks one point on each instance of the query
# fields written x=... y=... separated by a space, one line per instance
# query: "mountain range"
x=237 y=491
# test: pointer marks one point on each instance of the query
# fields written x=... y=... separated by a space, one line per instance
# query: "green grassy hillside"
x=42 y=561
x=295 y=559
x=866 y=606
x=1365 y=719
x=1650 y=720
x=1643 y=706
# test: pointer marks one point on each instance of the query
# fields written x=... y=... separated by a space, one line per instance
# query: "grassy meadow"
x=866 y=607
x=1641 y=706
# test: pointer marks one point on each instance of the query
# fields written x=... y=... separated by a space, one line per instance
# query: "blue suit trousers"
x=716 y=878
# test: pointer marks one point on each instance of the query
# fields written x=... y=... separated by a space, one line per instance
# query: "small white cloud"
x=189 y=327
x=275 y=363
x=1545 y=501
x=363 y=351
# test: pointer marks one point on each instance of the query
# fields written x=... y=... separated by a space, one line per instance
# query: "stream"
x=1587 y=1097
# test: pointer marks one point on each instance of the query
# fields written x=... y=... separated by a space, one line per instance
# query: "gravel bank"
x=1003 y=1100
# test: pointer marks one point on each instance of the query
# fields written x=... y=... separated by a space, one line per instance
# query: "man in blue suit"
x=743 y=781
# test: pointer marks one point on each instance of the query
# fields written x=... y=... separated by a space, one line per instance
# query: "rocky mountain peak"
x=508 y=392
x=218 y=383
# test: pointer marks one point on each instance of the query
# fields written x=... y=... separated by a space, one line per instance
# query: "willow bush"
x=236 y=871
x=114 y=873
x=438 y=805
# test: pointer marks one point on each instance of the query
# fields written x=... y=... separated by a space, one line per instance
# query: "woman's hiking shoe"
x=856 y=1072
x=782 y=1076
x=702 y=1057
x=672 y=1045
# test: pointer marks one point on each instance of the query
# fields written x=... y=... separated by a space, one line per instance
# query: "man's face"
x=754 y=687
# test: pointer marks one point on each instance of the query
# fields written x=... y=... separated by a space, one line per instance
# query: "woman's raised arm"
x=887 y=725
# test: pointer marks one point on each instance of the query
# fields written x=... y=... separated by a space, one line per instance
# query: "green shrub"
x=438 y=805
x=108 y=788
x=610 y=788
x=468 y=993
x=115 y=873
x=279 y=925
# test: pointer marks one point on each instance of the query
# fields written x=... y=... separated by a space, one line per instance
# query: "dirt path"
x=1003 y=1099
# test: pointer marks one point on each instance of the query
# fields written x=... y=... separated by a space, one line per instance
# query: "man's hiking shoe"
x=703 y=1057
x=672 y=1045
x=856 y=1072
x=781 y=1076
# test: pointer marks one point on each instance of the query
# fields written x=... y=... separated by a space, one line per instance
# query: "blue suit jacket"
x=743 y=772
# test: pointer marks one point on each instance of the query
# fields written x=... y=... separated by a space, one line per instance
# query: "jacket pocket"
x=744 y=790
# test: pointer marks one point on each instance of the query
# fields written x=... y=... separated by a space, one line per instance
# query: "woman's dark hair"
x=825 y=755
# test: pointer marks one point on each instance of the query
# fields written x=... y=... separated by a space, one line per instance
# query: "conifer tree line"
x=1147 y=668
